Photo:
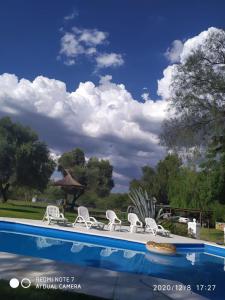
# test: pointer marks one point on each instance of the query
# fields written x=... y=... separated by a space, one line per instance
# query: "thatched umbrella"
x=70 y=186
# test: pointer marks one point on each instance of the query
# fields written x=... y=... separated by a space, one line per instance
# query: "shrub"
x=175 y=228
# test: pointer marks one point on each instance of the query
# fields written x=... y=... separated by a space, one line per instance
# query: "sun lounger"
x=83 y=217
x=153 y=227
x=135 y=223
x=113 y=220
x=52 y=214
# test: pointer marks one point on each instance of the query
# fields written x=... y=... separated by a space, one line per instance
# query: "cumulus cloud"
x=164 y=88
x=173 y=52
x=180 y=56
x=104 y=119
x=106 y=60
x=81 y=41
x=145 y=96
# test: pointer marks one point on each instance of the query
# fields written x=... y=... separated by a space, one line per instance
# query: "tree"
x=156 y=181
x=147 y=181
x=74 y=161
x=198 y=96
x=166 y=170
x=73 y=158
x=99 y=176
x=95 y=174
x=214 y=168
x=24 y=160
x=190 y=189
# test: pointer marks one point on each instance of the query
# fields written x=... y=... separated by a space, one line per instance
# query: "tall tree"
x=147 y=181
x=99 y=176
x=24 y=160
x=74 y=161
x=156 y=181
x=166 y=170
x=198 y=96
x=95 y=174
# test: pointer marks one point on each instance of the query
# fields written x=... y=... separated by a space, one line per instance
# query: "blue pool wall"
x=100 y=240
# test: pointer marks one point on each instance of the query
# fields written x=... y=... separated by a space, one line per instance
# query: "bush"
x=113 y=201
x=175 y=228
x=218 y=212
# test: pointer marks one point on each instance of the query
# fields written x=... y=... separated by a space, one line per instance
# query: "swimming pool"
x=199 y=266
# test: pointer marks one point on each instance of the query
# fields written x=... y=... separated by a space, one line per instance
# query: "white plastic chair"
x=155 y=228
x=52 y=214
x=83 y=217
x=113 y=220
x=135 y=223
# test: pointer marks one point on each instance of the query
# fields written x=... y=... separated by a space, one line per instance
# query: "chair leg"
x=75 y=222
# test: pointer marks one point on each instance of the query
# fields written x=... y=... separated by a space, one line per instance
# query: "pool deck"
x=124 y=234
x=94 y=281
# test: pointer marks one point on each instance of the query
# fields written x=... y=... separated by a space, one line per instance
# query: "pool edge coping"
x=26 y=222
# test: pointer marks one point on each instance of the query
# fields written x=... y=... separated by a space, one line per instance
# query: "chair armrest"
x=119 y=221
x=62 y=215
x=161 y=227
x=140 y=223
x=92 y=218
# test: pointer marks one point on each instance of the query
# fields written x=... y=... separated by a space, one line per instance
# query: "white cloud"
x=145 y=96
x=86 y=42
x=70 y=62
x=91 y=37
x=71 y=16
x=198 y=41
x=164 y=89
x=70 y=46
x=173 y=53
x=190 y=45
x=103 y=119
x=106 y=60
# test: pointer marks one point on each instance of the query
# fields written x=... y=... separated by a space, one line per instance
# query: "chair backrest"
x=83 y=212
x=111 y=215
x=133 y=218
x=150 y=222
x=53 y=211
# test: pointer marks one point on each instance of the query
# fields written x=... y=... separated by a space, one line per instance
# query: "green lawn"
x=32 y=293
x=212 y=234
x=27 y=210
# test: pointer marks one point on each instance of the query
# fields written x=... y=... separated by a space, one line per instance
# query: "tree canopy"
x=156 y=180
x=95 y=174
x=198 y=96
x=24 y=160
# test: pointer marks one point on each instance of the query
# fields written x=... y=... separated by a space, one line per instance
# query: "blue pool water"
x=191 y=265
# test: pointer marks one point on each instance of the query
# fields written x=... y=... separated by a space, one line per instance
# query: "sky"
x=95 y=74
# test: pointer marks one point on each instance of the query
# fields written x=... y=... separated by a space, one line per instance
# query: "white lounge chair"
x=52 y=214
x=83 y=217
x=135 y=223
x=155 y=228
x=113 y=220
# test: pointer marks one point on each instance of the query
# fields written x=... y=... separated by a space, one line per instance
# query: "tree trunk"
x=4 y=192
x=75 y=197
